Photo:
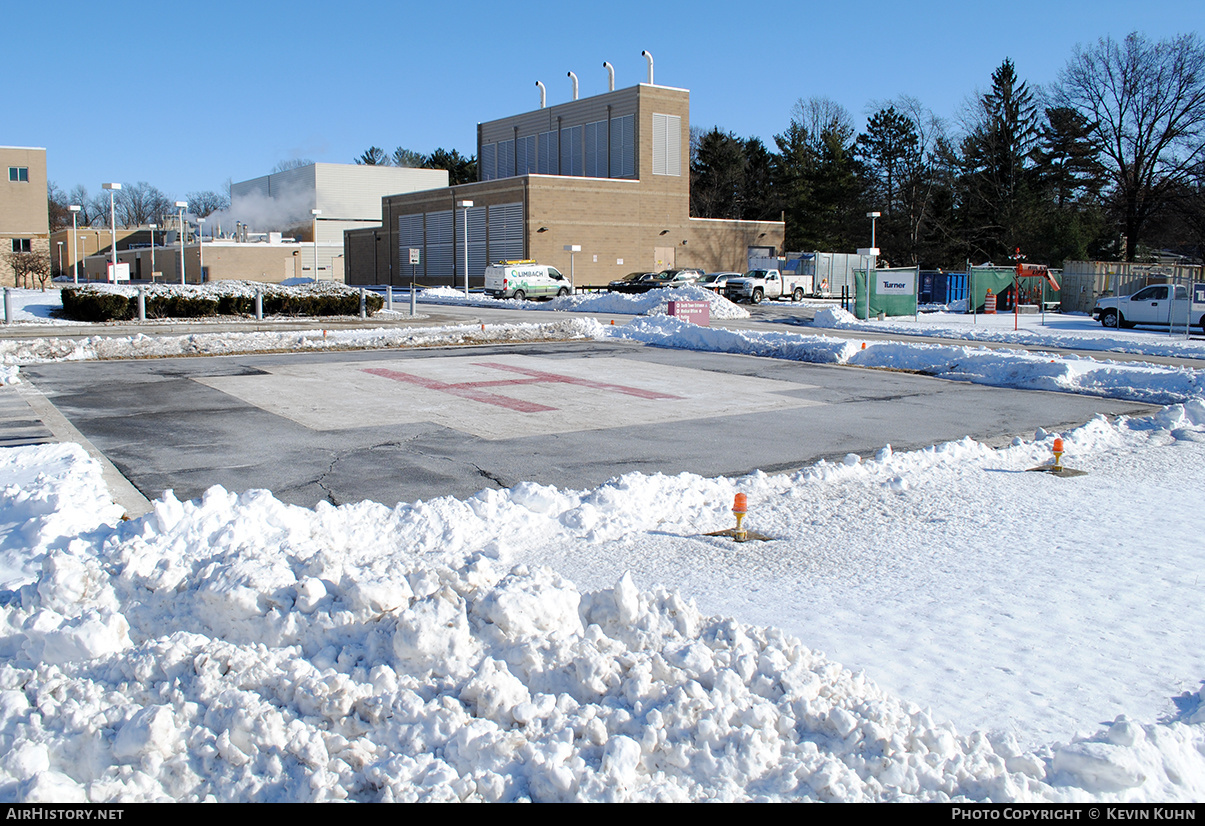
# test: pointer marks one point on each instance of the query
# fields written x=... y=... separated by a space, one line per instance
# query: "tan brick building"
x=609 y=173
x=24 y=220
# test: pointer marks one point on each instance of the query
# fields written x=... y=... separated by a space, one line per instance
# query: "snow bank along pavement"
x=236 y=648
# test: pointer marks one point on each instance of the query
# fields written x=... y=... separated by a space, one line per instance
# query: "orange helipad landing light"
x=739 y=506
x=1057 y=450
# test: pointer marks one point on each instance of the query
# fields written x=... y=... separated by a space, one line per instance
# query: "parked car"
x=715 y=281
x=628 y=284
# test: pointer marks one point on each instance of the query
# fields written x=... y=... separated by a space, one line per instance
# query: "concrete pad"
x=505 y=396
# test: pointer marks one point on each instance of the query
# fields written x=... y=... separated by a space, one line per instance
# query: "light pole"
x=571 y=249
x=153 y=228
x=180 y=205
x=315 y=213
x=201 y=246
x=74 y=245
x=872 y=216
x=465 y=206
x=112 y=228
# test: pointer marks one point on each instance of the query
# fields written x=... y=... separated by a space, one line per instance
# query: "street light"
x=74 y=245
x=571 y=249
x=465 y=206
x=153 y=228
x=201 y=246
x=112 y=227
x=872 y=216
x=181 y=205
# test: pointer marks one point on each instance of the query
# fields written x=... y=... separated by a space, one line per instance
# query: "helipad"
x=504 y=396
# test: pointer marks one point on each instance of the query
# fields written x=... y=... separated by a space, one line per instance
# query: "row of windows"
x=22 y=245
x=18 y=174
x=583 y=150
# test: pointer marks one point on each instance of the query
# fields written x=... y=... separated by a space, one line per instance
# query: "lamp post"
x=201 y=246
x=180 y=205
x=112 y=227
x=872 y=216
x=315 y=213
x=153 y=228
x=74 y=245
x=571 y=249
x=465 y=206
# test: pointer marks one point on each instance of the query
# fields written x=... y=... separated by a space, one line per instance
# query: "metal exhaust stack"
x=574 y=77
x=610 y=74
x=543 y=93
x=649 y=58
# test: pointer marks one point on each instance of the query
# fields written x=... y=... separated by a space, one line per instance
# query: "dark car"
x=632 y=283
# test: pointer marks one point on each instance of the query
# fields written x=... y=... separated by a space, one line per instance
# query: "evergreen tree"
x=817 y=177
x=888 y=148
x=717 y=186
x=997 y=208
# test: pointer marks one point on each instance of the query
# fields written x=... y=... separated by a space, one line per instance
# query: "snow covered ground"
x=654 y=302
x=1015 y=636
x=1058 y=331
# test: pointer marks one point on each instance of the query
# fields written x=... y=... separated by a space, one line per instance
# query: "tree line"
x=134 y=205
x=461 y=169
x=1109 y=163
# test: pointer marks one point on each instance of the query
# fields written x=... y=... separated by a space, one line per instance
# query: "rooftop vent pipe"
x=543 y=93
x=572 y=75
x=649 y=58
x=610 y=74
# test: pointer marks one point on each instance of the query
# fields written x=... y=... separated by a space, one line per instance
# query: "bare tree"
x=140 y=204
x=1148 y=100
x=204 y=204
x=294 y=163
x=27 y=264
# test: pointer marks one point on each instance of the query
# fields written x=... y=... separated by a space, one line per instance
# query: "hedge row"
x=89 y=304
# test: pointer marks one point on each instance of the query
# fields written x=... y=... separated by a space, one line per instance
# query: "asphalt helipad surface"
x=404 y=425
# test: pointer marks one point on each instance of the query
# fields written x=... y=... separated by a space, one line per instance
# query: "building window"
x=22 y=245
x=667 y=144
x=18 y=174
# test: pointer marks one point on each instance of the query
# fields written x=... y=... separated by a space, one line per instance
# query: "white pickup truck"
x=1158 y=304
x=756 y=285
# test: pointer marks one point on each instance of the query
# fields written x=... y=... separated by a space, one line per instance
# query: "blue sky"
x=185 y=96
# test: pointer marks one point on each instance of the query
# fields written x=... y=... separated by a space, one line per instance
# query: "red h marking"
x=473 y=391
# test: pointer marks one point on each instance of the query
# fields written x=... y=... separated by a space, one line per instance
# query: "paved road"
x=403 y=425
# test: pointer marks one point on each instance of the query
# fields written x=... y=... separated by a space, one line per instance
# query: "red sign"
x=696 y=312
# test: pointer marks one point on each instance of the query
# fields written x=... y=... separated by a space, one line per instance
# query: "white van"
x=524 y=279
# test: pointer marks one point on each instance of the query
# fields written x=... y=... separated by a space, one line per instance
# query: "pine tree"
x=997 y=204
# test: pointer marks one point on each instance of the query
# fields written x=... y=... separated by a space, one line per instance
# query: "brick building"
x=24 y=220
x=608 y=173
